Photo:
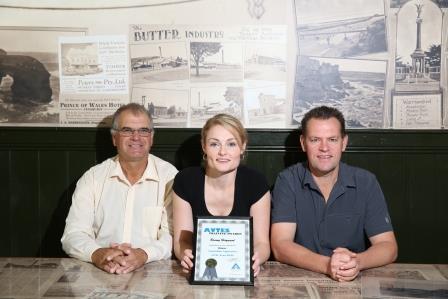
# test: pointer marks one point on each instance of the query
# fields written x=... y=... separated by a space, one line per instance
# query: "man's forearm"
x=377 y=255
x=294 y=254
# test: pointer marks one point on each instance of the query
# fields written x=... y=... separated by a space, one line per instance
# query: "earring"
x=204 y=156
x=243 y=156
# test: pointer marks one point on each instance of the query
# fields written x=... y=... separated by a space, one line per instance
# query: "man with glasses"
x=120 y=216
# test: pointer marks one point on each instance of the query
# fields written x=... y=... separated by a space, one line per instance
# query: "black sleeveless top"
x=250 y=186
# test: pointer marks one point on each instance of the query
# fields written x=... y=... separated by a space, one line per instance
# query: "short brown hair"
x=323 y=112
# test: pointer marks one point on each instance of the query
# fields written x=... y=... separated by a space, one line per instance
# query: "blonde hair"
x=229 y=122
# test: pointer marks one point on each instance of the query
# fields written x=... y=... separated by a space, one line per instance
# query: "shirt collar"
x=346 y=176
x=308 y=177
x=150 y=173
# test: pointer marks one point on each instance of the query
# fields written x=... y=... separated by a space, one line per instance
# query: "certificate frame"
x=223 y=250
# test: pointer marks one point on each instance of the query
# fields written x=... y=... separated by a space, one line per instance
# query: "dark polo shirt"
x=355 y=209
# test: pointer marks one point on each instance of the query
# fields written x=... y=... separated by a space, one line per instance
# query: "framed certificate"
x=223 y=249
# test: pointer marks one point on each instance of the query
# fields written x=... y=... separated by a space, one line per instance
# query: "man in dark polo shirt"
x=323 y=209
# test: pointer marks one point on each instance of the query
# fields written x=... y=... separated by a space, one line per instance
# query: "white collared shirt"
x=107 y=209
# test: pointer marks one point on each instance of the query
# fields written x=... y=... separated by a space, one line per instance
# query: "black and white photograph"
x=356 y=87
x=273 y=270
x=159 y=268
x=69 y=277
x=399 y=3
x=418 y=57
x=397 y=274
x=111 y=293
x=292 y=278
x=206 y=292
x=63 y=290
x=208 y=101
x=414 y=289
x=158 y=282
x=168 y=107
x=94 y=65
x=32 y=265
x=291 y=290
x=80 y=59
x=443 y=269
x=406 y=271
x=355 y=29
x=265 y=61
x=159 y=62
x=266 y=105
x=216 y=62
x=403 y=288
x=86 y=282
x=29 y=74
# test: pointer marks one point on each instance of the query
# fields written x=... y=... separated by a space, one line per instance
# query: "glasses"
x=128 y=132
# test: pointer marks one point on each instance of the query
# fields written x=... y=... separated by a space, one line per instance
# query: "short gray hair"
x=135 y=109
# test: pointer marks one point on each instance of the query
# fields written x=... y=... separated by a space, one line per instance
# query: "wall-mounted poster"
x=417 y=111
x=356 y=87
x=266 y=105
x=419 y=37
x=347 y=28
x=168 y=107
x=399 y=3
x=94 y=77
x=186 y=74
x=29 y=74
x=207 y=101
x=342 y=59
x=367 y=57
x=418 y=93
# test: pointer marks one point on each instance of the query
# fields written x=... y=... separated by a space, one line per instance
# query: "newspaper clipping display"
x=94 y=79
x=72 y=278
x=404 y=281
x=368 y=58
x=186 y=74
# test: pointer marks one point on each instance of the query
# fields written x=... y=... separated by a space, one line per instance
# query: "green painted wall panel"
x=40 y=167
x=5 y=204
x=24 y=203
x=53 y=170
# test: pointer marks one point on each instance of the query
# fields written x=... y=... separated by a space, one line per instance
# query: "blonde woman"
x=223 y=187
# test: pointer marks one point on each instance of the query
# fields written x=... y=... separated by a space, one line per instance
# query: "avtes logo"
x=216 y=230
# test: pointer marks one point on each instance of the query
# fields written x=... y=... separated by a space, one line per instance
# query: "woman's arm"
x=261 y=213
x=183 y=231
